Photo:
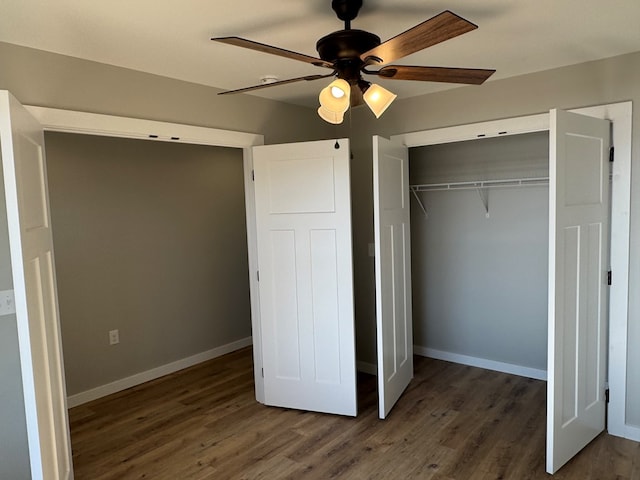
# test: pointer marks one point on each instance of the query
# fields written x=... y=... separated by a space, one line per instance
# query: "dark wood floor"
x=453 y=422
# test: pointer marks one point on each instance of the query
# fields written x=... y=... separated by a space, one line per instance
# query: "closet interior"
x=479 y=246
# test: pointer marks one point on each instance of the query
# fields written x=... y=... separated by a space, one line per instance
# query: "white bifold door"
x=393 y=271
x=34 y=283
x=303 y=217
x=578 y=261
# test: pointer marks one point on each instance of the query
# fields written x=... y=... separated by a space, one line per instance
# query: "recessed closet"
x=480 y=246
x=150 y=240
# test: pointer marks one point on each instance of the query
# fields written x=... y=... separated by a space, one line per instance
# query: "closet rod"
x=512 y=182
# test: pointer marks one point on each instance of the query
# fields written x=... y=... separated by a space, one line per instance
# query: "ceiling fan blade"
x=281 y=52
x=473 y=76
x=437 y=29
x=308 y=78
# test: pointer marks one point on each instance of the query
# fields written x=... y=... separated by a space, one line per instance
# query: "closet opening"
x=479 y=249
x=150 y=240
x=613 y=339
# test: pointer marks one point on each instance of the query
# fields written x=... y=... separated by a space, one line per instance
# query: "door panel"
x=33 y=272
x=393 y=271
x=303 y=216
x=578 y=253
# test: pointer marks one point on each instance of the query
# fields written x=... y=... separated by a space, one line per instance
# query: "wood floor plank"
x=454 y=422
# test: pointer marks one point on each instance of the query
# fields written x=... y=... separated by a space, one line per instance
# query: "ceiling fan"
x=349 y=53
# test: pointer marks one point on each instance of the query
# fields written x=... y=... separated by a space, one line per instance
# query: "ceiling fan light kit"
x=378 y=99
x=330 y=116
x=351 y=53
x=336 y=96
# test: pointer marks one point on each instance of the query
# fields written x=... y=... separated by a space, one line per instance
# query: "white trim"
x=366 y=367
x=112 y=126
x=620 y=115
x=474 y=131
x=161 y=371
x=56 y=120
x=629 y=432
x=481 y=363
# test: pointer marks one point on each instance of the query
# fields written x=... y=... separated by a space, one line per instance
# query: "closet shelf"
x=478 y=185
x=473 y=185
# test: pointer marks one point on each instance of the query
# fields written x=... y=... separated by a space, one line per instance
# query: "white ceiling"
x=173 y=38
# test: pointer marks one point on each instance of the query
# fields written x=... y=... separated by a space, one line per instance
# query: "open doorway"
x=562 y=234
x=480 y=246
x=150 y=243
x=31 y=247
x=620 y=114
x=578 y=253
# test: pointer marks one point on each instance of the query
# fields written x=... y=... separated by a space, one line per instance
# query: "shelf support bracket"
x=484 y=197
x=422 y=207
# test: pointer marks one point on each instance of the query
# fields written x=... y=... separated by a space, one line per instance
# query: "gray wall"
x=150 y=239
x=14 y=450
x=480 y=284
x=607 y=81
x=46 y=79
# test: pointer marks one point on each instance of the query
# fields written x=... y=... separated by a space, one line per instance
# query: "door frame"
x=620 y=115
x=70 y=121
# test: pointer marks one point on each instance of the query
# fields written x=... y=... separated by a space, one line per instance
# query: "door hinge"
x=611 y=150
x=258 y=274
x=609 y=278
x=253 y=175
x=262 y=371
x=606 y=395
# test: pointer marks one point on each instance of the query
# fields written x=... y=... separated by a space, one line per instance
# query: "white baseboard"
x=630 y=432
x=481 y=363
x=633 y=433
x=367 y=367
x=142 y=377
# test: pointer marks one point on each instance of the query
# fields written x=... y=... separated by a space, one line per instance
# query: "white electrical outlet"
x=7 y=302
x=114 y=337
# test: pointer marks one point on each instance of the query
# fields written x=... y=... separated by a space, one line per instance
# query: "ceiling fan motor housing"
x=346 y=44
x=344 y=47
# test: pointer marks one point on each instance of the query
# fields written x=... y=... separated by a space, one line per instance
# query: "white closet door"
x=303 y=215
x=34 y=283
x=578 y=253
x=393 y=271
